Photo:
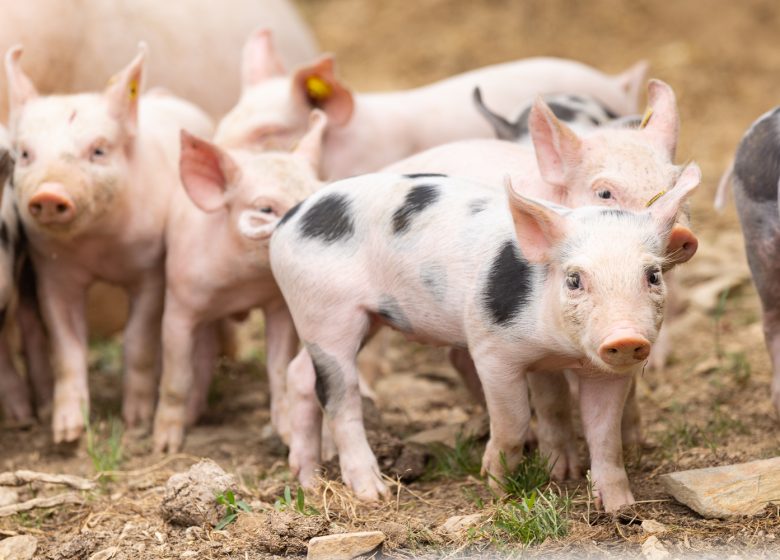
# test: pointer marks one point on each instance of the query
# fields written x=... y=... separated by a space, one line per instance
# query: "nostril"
x=36 y=208
x=639 y=348
x=62 y=208
x=612 y=350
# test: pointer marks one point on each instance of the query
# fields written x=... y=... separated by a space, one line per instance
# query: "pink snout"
x=624 y=348
x=51 y=204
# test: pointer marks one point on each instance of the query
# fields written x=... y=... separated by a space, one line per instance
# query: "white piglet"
x=524 y=285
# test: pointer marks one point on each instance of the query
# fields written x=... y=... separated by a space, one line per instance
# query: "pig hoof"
x=168 y=432
x=615 y=499
x=565 y=465
x=368 y=486
x=67 y=426
x=137 y=412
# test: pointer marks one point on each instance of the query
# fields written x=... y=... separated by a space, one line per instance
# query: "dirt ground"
x=709 y=407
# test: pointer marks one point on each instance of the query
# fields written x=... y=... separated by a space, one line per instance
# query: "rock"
x=459 y=523
x=21 y=547
x=652 y=527
x=653 y=549
x=105 y=554
x=8 y=496
x=190 y=497
x=344 y=546
x=729 y=491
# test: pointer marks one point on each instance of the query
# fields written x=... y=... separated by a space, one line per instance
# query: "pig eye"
x=267 y=210
x=605 y=194
x=653 y=276
x=573 y=281
x=24 y=156
x=97 y=153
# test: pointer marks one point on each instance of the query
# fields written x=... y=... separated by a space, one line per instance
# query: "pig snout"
x=51 y=204
x=624 y=347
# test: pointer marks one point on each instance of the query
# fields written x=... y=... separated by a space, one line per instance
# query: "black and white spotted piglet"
x=522 y=285
x=580 y=112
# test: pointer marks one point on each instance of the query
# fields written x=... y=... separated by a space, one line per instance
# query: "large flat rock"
x=728 y=491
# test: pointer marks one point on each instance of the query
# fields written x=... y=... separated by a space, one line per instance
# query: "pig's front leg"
x=550 y=395
x=281 y=346
x=63 y=302
x=178 y=333
x=142 y=350
x=772 y=337
x=601 y=405
x=14 y=393
x=204 y=363
x=506 y=396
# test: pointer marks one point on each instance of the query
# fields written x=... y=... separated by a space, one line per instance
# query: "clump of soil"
x=280 y=532
x=191 y=497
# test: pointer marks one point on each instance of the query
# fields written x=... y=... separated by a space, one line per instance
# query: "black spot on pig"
x=5 y=236
x=423 y=175
x=477 y=205
x=757 y=164
x=289 y=214
x=328 y=219
x=329 y=381
x=562 y=111
x=433 y=276
x=504 y=129
x=390 y=311
x=509 y=284
x=417 y=199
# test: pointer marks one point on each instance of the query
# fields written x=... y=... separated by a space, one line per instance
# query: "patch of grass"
x=459 y=462
x=529 y=519
x=232 y=508
x=104 y=444
x=105 y=355
x=718 y=428
x=530 y=475
x=286 y=502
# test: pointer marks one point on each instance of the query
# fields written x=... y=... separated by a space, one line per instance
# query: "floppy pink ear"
x=124 y=91
x=20 y=87
x=538 y=227
x=206 y=171
x=664 y=124
x=310 y=146
x=317 y=86
x=557 y=147
x=259 y=60
x=632 y=81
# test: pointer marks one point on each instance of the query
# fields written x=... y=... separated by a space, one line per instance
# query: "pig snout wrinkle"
x=52 y=205
x=623 y=349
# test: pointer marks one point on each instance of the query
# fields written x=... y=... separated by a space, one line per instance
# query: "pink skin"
x=71 y=50
x=561 y=328
x=93 y=182
x=274 y=106
x=233 y=201
x=572 y=170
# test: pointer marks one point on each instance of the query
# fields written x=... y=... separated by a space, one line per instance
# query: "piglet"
x=93 y=179
x=368 y=131
x=524 y=285
x=233 y=201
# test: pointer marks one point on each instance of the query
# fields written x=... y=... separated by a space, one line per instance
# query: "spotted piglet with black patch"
x=522 y=284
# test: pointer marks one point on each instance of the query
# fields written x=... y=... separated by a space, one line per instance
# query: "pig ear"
x=504 y=129
x=206 y=172
x=557 y=147
x=20 y=87
x=259 y=60
x=681 y=243
x=538 y=227
x=663 y=124
x=310 y=146
x=318 y=87
x=632 y=81
x=124 y=89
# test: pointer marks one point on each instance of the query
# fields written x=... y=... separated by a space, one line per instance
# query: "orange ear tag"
x=646 y=117
x=318 y=89
x=656 y=197
x=132 y=89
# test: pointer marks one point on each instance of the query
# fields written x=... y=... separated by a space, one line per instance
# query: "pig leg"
x=63 y=304
x=204 y=363
x=13 y=390
x=506 y=395
x=179 y=326
x=305 y=417
x=35 y=344
x=142 y=351
x=631 y=425
x=550 y=395
x=281 y=343
x=601 y=406
x=464 y=365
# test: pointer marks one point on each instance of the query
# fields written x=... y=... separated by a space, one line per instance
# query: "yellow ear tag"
x=652 y=200
x=646 y=117
x=317 y=88
x=132 y=90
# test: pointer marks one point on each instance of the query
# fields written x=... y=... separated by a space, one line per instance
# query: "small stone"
x=105 y=554
x=653 y=549
x=191 y=497
x=344 y=546
x=459 y=523
x=729 y=491
x=21 y=547
x=8 y=496
x=653 y=527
